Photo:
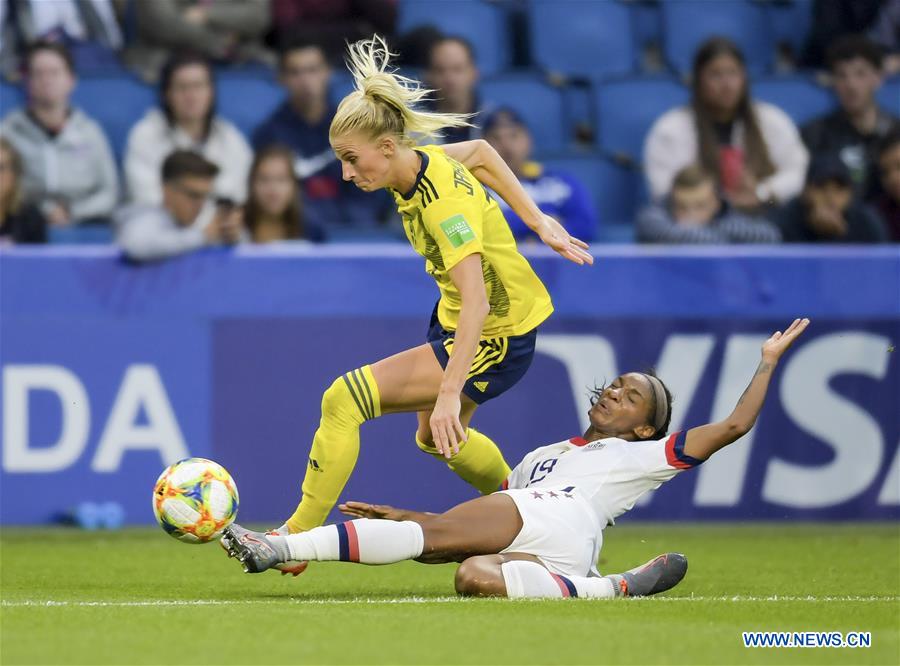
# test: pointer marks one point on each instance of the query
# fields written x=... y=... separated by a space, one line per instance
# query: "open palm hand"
x=775 y=346
x=555 y=236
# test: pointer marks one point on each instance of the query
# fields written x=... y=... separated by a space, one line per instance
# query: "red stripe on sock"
x=562 y=585
x=353 y=542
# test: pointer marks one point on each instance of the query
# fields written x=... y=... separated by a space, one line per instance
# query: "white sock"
x=364 y=541
x=526 y=579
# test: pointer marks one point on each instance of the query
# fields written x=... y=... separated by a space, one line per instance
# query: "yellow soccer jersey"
x=449 y=215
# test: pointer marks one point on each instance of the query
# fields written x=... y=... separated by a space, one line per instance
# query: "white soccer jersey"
x=610 y=473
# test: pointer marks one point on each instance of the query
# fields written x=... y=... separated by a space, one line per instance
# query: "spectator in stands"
x=9 y=46
x=834 y=19
x=886 y=33
x=221 y=30
x=854 y=130
x=453 y=75
x=186 y=220
x=889 y=201
x=695 y=213
x=69 y=171
x=301 y=123
x=188 y=121
x=273 y=210
x=557 y=193
x=19 y=222
x=828 y=211
x=752 y=147
x=90 y=28
x=414 y=47
x=333 y=23
x=831 y=20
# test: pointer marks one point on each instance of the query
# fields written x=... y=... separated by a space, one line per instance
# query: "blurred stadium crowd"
x=172 y=125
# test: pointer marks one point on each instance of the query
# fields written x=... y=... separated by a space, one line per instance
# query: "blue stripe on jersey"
x=570 y=585
x=343 y=543
x=412 y=191
x=679 y=450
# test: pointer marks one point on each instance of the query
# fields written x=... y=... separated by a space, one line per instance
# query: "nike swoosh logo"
x=305 y=167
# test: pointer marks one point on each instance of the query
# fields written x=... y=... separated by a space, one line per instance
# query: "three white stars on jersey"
x=536 y=495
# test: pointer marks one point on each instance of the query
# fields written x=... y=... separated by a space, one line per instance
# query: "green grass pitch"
x=139 y=597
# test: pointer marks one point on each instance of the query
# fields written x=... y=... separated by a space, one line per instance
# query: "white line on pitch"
x=232 y=602
x=774 y=598
x=419 y=600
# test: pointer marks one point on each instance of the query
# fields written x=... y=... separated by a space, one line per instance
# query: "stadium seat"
x=92 y=234
x=687 y=24
x=538 y=103
x=617 y=233
x=480 y=22
x=247 y=70
x=799 y=97
x=584 y=39
x=247 y=102
x=889 y=95
x=11 y=97
x=117 y=103
x=627 y=109
x=615 y=189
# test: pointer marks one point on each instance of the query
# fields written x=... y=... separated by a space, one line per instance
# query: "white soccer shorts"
x=560 y=528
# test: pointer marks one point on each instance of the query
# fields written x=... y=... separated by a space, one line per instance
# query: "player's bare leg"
x=481 y=526
x=412 y=379
x=482 y=575
x=408 y=381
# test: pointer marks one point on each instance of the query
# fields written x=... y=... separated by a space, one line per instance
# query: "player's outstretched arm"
x=480 y=158
x=702 y=442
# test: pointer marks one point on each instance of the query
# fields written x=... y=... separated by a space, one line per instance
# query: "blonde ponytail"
x=385 y=102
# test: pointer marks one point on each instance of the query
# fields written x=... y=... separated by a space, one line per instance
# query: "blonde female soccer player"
x=483 y=330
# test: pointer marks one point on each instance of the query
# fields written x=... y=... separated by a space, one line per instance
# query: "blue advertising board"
x=110 y=371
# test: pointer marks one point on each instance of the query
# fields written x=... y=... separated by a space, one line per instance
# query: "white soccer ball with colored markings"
x=195 y=499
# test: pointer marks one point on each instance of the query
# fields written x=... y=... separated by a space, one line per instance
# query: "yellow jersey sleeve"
x=457 y=226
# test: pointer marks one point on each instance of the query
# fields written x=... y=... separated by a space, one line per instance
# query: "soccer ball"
x=195 y=499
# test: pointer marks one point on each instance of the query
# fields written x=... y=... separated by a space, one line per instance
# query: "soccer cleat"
x=658 y=575
x=254 y=550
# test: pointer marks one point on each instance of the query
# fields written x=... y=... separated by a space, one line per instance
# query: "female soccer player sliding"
x=483 y=329
x=542 y=535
